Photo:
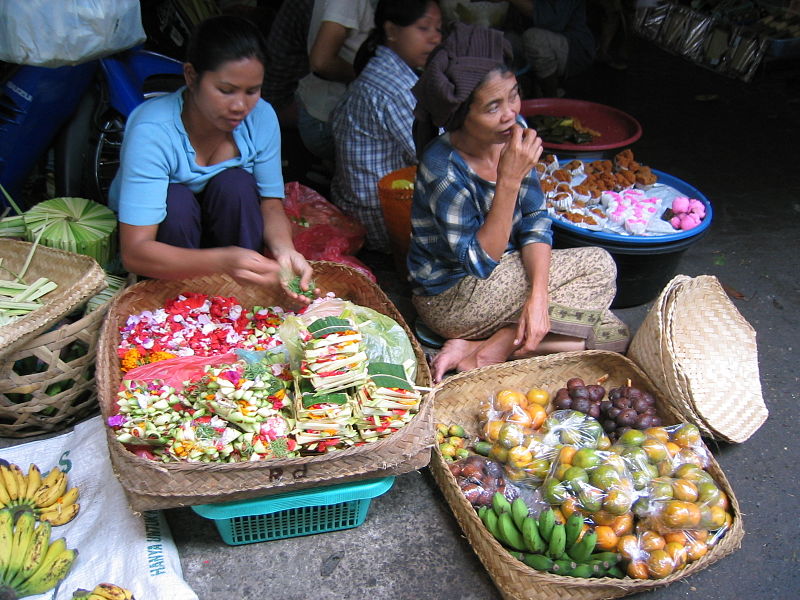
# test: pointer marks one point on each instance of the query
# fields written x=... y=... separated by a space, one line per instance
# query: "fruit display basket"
x=294 y=514
x=457 y=401
x=78 y=277
x=152 y=485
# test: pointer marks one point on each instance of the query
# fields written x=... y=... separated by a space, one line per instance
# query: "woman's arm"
x=278 y=239
x=324 y=57
x=144 y=255
x=534 y=321
x=517 y=158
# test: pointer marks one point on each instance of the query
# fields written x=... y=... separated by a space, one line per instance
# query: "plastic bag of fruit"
x=574 y=428
x=479 y=478
x=649 y=554
x=645 y=454
x=590 y=481
x=510 y=420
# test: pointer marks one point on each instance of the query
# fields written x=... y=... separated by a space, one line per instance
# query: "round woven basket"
x=78 y=277
x=457 y=401
x=696 y=345
x=396 y=207
x=153 y=485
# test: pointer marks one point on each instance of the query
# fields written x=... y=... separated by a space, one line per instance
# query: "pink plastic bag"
x=320 y=231
x=307 y=209
x=176 y=371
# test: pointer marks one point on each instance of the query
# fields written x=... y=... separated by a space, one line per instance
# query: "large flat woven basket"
x=153 y=485
x=78 y=277
x=697 y=346
x=457 y=400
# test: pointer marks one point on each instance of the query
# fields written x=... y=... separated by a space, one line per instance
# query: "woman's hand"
x=293 y=263
x=249 y=267
x=534 y=323
x=519 y=155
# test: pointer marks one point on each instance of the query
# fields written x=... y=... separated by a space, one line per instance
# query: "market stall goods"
x=151 y=484
x=48 y=498
x=30 y=562
x=103 y=591
x=631 y=515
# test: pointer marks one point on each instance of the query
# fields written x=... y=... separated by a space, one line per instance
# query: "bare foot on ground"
x=451 y=354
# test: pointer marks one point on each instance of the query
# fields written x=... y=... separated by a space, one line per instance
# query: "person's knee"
x=234 y=178
x=602 y=260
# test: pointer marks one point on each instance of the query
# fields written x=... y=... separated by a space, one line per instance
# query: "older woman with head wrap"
x=480 y=258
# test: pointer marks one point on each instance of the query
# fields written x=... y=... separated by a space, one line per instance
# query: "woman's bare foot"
x=491 y=351
x=449 y=357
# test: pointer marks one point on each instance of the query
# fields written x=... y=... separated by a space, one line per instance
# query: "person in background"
x=199 y=190
x=559 y=44
x=287 y=57
x=483 y=273
x=337 y=30
x=373 y=121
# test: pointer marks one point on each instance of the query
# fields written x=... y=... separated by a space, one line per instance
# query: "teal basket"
x=293 y=514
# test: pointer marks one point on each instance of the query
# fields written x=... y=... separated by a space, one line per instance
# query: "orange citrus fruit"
x=696 y=549
x=637 y=569
x=651 y=540
x=565 y=455
x=506 y=400
x=628 y=547
x=660 y=564
x=538 y=414
x=623 y=524
x=538 y=396
x=606 y=538
x=678 y=554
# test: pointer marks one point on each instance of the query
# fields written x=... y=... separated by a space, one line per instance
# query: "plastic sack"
x=175 y=372
x=307 y=209
x=325 y=242
x=68 y=32
x=384 y=339
x=133 y=550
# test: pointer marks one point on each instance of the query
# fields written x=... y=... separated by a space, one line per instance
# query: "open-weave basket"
x=396 y=207
x=153 y=485
x=78 y=277
x=61 y=362
x=696 y=345
x=457 y=401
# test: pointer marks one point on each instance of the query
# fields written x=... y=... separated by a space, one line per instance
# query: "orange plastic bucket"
x=396 y=207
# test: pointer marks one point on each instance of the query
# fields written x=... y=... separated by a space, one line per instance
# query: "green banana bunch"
x=29 y=563
x=544 y=544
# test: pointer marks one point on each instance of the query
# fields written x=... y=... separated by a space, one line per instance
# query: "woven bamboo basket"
x=396 y=207
x=152 y=485
x=696 y=345
x=66 y=356
x=78 y=277
x=457 y=400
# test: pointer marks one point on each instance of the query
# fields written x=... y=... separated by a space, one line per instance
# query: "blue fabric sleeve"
x=144 y=175
x=267 y=168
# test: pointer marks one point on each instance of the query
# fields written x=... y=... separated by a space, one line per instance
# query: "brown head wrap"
x=454 y=70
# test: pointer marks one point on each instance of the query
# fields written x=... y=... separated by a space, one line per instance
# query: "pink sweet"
x=697 y=208
x=675 y=222
x=680 y=204
x=689 y=221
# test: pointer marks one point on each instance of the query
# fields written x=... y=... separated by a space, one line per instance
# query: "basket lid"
x=715 y=358
x=703 y=354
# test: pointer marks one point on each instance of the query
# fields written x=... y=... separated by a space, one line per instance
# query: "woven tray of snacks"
x=557 y=504
x=247 y=425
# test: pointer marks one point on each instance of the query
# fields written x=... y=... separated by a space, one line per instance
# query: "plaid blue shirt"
x=450 y=205
x=372 y=130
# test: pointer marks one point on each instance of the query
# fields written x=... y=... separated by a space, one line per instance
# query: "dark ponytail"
x=221 y=39
x=399 y=12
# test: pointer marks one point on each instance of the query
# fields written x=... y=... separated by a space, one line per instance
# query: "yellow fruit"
x=678 y=555
x=538 y=396
x=678 y=514
x=651 y=540
x=683 y=489
x=402 y=184
x=491 y=430
x=537 y=414
x=637 y=569
x=506 y=400
x=606 y=538
x=660 y=564
x=519 y=457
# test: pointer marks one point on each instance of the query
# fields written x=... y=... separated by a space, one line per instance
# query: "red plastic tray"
x=617 y=129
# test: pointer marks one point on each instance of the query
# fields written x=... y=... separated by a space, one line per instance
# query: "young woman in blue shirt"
x=200 y=189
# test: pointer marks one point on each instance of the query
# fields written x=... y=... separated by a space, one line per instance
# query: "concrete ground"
x=734 y=142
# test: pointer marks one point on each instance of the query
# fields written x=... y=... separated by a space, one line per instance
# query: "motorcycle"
x=75 y=115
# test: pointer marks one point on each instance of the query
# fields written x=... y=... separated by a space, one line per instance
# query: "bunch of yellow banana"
x=46 y=497
x=29 y=563
x=104 y=591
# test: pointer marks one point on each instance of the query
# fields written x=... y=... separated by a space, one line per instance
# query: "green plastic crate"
x=293 y=514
